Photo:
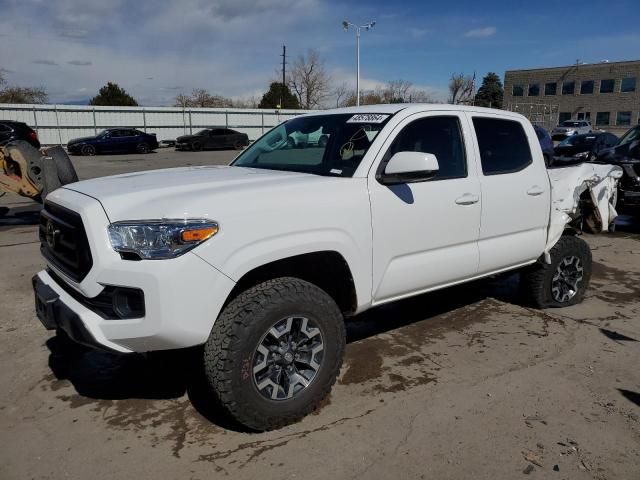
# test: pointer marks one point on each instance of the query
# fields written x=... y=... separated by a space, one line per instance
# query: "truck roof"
x=394 y=108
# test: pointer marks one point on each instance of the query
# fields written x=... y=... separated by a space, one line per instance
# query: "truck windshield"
x=330 y=145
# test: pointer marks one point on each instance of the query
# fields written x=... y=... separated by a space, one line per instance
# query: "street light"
x=346 y=24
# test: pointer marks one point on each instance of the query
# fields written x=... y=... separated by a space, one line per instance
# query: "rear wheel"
x=274 y=352
x=564 y=281
x=142 y=148
x=88 y=150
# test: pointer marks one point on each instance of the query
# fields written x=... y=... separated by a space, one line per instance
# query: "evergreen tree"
x=113 y=95
x=491 y=92
x=272 y=98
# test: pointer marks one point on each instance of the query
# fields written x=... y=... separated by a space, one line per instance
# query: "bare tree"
x=13 y=94
x=397 y=91
x=202 y=98
x=461 y=88
x=309 y=80
x=341 y=93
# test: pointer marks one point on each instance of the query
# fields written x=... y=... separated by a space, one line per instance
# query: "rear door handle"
x=535 y=191
x=467 y=199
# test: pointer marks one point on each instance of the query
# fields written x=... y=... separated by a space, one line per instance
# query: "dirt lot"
x=464 y=383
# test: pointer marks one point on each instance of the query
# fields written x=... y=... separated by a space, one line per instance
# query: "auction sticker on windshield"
x=368 y=118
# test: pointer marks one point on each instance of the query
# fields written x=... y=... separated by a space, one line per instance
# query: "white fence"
x=57 y=124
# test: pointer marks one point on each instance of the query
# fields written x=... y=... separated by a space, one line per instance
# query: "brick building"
x=607 y=94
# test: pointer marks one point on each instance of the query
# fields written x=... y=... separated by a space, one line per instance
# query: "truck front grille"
x=63 y=241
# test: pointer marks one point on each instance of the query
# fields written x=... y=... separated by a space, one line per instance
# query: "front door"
x=425 y=234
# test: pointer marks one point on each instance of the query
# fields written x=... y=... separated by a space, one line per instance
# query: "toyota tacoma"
x=260 y=262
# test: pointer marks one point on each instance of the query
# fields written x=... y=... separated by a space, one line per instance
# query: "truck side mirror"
x=409 y=167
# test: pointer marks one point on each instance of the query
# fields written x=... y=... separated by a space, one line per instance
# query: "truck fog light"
x=128 y=302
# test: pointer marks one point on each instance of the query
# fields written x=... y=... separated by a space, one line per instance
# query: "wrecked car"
x=626 y=154
x=260 y=262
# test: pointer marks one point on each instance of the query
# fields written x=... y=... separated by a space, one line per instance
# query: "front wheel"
x=88 y=150
x=275 y=352
x=564 y=281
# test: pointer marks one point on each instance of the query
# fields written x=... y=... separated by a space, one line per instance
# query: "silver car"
x=571 y=127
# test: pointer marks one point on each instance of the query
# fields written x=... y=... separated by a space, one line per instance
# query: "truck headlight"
x=160 y=239
x=582 y=155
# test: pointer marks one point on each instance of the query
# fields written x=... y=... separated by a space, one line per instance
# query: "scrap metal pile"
x=32 y=173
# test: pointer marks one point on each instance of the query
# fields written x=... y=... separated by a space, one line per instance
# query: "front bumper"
x=183 y=146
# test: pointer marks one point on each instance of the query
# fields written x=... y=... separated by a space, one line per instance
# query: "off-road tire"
x=536 y=280
x=229 y=352
x=66 y=172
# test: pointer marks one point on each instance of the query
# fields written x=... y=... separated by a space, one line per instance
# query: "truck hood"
x=190 y=192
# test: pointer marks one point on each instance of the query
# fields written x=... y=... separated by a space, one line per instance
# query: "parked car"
x=212 y=138
x=114 y=140
x=626 y=154
x=261 y=261
x=582 y=148
x=317 y=138
x=571 y=127
x=545 y=143
x=11 y=131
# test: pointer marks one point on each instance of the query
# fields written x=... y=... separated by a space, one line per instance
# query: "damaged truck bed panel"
x=582 y=194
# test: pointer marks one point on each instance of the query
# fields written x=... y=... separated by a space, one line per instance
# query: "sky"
x=156 y=49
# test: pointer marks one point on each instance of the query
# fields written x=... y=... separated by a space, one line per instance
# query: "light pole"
x=346 y=24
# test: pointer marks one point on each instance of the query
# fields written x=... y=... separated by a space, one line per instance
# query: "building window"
x=550 y=88
x=584 y=116
x=628 y=84
x=563 y=116
x=518 y=91
x=586 y=87
x=606 y=86
x=602 y=118
x=623 y=118
x=534 y=89
x=568 y=87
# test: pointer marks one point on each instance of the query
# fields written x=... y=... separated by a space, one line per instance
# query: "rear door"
x=425 y=234
x=515 y=192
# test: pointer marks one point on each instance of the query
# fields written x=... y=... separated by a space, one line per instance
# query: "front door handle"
x=467 y=199
x=535 y=191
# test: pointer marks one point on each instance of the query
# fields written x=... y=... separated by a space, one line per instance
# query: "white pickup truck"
x=261 y=261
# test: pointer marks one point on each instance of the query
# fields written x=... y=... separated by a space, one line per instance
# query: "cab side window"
x=440 y=136
x=504 y=147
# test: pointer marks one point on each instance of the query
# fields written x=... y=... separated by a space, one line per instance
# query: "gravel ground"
x=463 y=383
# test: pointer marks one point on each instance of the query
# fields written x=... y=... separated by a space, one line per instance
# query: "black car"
x=211 y=138
x=583 y=148
x=626 y=154
x=114 y=140
x=10 y=131
x=545 y=143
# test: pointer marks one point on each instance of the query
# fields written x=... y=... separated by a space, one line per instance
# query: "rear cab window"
x=504 y=145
